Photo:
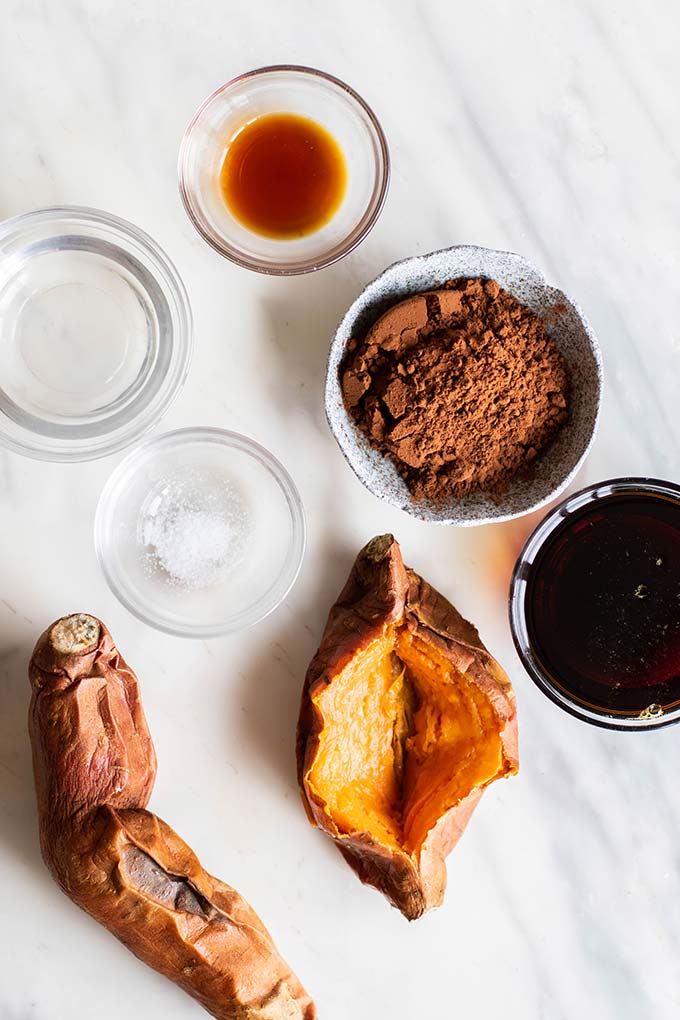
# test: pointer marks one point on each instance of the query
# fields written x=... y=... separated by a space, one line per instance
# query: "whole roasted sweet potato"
x=95 y=767
x=405 y=719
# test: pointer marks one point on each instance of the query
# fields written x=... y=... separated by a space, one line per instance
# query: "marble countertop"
x=547 y=129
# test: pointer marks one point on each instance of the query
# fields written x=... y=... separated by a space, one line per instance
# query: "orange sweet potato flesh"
x=94 y=767
x=405 y=720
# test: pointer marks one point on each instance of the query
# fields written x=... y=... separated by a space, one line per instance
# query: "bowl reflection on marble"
x=571 y=334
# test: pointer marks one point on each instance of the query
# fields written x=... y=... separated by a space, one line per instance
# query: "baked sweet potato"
x=95 y=767
x=405 y=719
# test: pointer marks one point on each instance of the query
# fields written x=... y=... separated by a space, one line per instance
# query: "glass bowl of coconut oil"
x=95 y=333
x=200 y=532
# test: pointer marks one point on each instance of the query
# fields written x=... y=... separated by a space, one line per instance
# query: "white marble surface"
x=550 y=129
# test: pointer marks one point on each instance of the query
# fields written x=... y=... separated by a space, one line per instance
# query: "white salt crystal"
x=195 y=534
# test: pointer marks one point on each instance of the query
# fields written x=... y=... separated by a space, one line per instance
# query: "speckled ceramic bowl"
x=564 y=322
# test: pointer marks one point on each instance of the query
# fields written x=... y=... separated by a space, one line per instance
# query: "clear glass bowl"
x=284 y=89
x=95 y=333
x=518 y=592
x=186 y=487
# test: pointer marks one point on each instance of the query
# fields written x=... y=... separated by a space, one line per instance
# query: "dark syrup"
x=603 y=604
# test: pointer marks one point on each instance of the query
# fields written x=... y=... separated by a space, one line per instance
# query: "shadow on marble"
x=271 y=686
x=19 y=825
x=300 y=317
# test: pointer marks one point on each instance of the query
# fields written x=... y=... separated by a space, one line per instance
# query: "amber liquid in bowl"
x=283 y=176
x=603 y=605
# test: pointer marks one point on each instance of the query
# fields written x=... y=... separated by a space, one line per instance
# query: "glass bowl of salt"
x=200 y=532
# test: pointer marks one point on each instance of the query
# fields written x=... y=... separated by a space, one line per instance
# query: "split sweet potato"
x=405 y=720
x=95 y=766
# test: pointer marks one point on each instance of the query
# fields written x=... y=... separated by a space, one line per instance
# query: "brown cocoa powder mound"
x=461 y=387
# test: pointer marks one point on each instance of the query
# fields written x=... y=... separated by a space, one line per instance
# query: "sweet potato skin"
x=379 y=592
x=95 y=766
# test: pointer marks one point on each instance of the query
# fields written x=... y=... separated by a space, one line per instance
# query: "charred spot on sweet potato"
x=147 y=876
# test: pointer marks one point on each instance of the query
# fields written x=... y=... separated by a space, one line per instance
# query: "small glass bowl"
x=144 y=543
x=284 y=89
x=518 y=592
x=95 y=333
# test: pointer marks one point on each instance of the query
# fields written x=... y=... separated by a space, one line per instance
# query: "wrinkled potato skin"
x=380 y=591
x=94 y=767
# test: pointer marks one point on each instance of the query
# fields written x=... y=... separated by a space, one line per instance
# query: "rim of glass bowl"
x=518 y=587
x=166 y=274
x=358 y=234
x=116 y=483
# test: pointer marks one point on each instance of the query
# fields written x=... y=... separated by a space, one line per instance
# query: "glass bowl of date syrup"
x=595 y=604
x=284 y=170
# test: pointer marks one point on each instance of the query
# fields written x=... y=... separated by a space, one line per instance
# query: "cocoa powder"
x=461 y=388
